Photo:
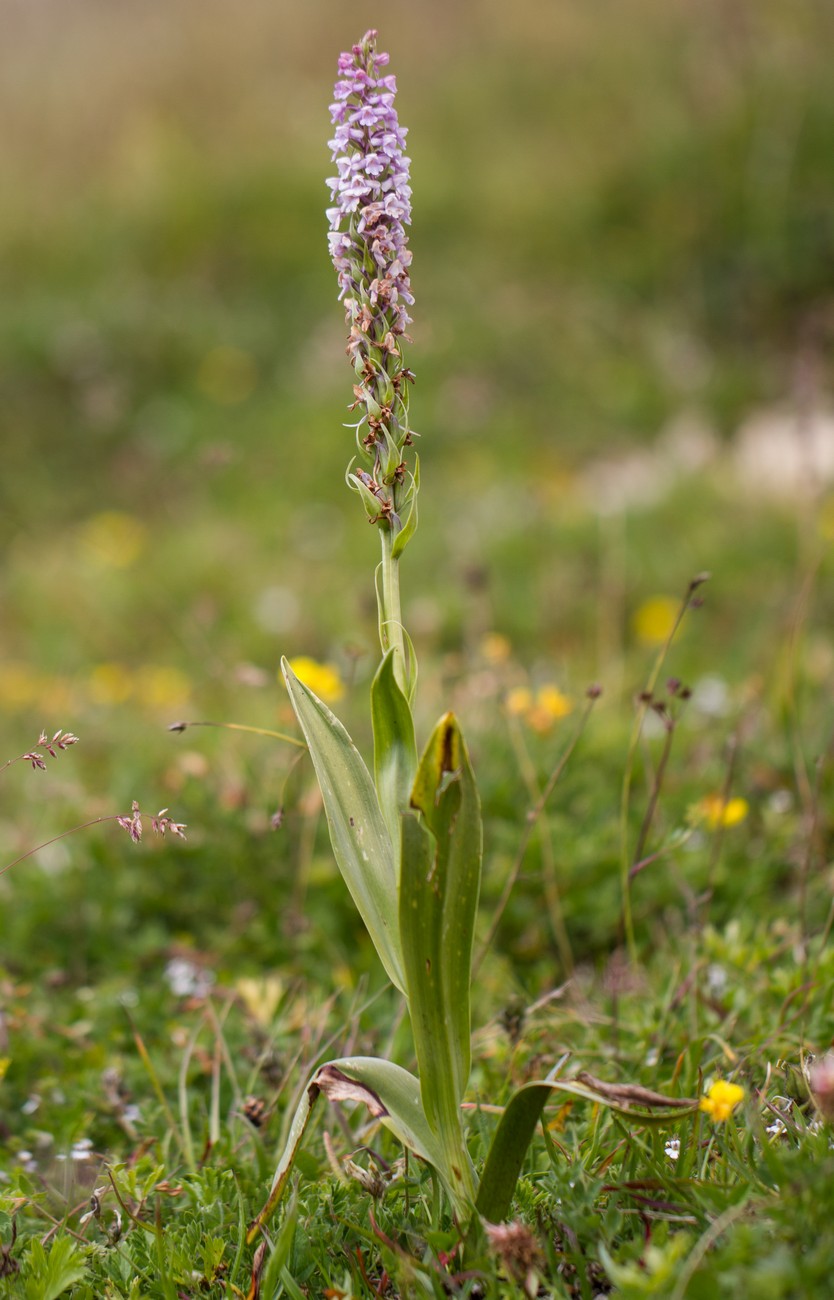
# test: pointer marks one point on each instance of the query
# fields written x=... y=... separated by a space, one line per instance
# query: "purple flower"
x=371 y=199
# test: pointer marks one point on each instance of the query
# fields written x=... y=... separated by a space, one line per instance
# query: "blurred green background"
x=624 y=276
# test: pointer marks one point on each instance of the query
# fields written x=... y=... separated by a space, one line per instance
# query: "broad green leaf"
x=389 y=1092
x=361 y=842
x=518 y=1124
x=395 y=749
x=50 y=1275
x=440 y=878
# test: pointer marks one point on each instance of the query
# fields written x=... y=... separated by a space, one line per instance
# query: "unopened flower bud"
x=821 y=1084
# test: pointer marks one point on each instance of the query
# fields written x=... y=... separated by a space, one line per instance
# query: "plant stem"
x=391 y=633
x=96 y=821
x=627 y=861
x=532 y=820
x=239 y=726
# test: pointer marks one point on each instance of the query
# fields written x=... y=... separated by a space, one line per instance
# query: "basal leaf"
x=518 y=1124
x=390 y=1093
x=361 y=842
x=395 y=749
x=439 y=884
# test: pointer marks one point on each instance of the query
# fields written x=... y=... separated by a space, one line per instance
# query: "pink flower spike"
x=132 y=824
x=162 y=823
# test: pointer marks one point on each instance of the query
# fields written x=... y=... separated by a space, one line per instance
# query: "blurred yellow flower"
x=18 y=686
x=540 y=710
x=56 y=695
x=113 y=538
x=721 y=1100
x=519 y=701
x=495 y=648
x=5 y=1062
x=261 y=998
x=653 y=621
x=322 y=679
x=157 y=687
x=110 y=683
x=717 y=811
x=227 y=375
x=162 y=687
x=549 y=707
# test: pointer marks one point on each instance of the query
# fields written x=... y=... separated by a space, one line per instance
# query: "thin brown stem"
x=549 y=877
x=96 y=821
x=532 y=820
x=626 y=858
x=654 y=794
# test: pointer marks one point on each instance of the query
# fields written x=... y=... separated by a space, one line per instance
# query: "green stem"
x=391 y=634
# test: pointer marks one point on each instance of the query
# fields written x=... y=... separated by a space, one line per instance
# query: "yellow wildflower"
x=19 y=686
x=162 y=687
x=110 y=683
x=539 y=711
x=654 y=619
x=56 y=694
x=113 y=538
x=549 y=706
x=721 y=1099
x=519 y=701
x=495 y=648
x=717 y=811
x=322 y=679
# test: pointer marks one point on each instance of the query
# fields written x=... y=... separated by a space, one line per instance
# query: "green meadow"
x=623 y=267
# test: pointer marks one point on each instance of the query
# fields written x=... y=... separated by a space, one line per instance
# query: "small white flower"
x=672 y=1148
x=188 y=980
x=711 y=696
x=780 y=802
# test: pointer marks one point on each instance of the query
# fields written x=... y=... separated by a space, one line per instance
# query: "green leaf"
x=290 y=1285
x=409 y=527
x=518 y=1124
x=281 y=1250
x=49 y=1276
x=439 y=886
x=395 y=749
x=361 y=842
x=389 y=1092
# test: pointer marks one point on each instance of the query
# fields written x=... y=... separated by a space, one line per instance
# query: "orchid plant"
x=407 y=838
